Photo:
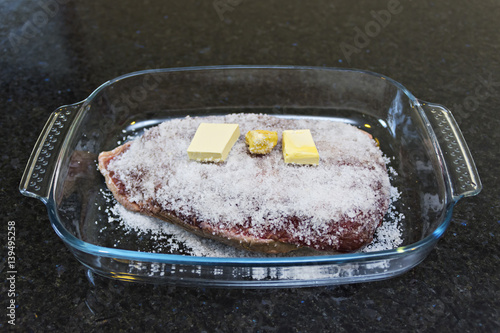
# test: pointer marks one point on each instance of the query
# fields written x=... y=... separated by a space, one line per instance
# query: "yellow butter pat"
x=260 y=141
x=299 y=147
x=213 y=142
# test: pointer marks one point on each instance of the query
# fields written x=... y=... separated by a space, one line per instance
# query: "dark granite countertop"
x=56 y=52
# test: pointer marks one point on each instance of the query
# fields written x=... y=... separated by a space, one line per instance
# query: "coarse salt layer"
x=258 y=192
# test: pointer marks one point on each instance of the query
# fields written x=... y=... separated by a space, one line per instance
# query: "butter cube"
x=212 y=142
x=260 y=141
x=299 y=147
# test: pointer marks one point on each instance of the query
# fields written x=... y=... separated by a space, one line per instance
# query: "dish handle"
x=39 y=172
x=460 y=167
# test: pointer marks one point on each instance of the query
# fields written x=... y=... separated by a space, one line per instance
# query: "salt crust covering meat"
x=257 y=203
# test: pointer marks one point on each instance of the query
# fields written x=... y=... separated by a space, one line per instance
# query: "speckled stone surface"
x=57 y=52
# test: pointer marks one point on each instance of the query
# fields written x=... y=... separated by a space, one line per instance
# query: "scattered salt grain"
x=208 y=182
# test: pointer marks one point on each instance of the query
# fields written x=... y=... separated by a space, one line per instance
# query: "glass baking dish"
x=433 y=168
